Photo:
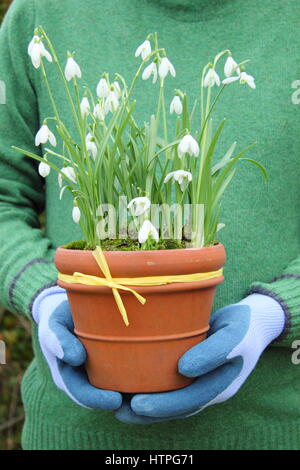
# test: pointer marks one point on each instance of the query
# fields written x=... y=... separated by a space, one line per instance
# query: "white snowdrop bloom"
x=44 y=169
x=44 y=135
x=243 y=78
x=147 y=230
x=89 y=137
x=76 y=214
x=37 y=50
x=143 y=50
x=166 y=67
x=211 y=78
x=69 y=172
x=181 y=176
x=117 y=89
x=102 y=88
x=231 y=67
x=150 y=70
x=92 y=149
x=98 y=112
x=188 y=145
x=176 y=105
x=84 y=107
x=72 y=69
x=111 y=103
x=140 y=205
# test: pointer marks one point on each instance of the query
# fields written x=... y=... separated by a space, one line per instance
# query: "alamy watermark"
x=176 y=221
x=2 y=92
x=296 y=354
x=2 y=352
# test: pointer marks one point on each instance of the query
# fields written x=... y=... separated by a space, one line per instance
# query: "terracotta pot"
x=143 y=356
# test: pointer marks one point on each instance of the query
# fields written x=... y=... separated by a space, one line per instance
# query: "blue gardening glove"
x=65 y=354
x=238 y=335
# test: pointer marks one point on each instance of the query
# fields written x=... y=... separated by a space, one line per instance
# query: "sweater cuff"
x=286 y=290
x=33 y=278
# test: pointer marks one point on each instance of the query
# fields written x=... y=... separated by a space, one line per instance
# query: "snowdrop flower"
x=176 y=105
x=243 y=78
x=211 y=78
x=117 y=89
x=76 y=214
x=140 y=205
x=102 y=88
x=143 y=50
x=111 y=103
x=84 y=107
x=165 y=67
x=43 y=135
x=150 y=70
x=44 y=169
x=72 y=69
x=37 y=50
x=92 y=149
x=89 y=137
x=231 y=67
x=188 y=145
x=181 y=176
x=69 y=172
x=98 y=112
x=147 y=230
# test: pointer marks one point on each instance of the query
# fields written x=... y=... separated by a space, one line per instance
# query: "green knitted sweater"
x=262 y=221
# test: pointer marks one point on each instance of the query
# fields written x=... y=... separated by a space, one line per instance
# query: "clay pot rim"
x=131 y=252
x=143 y=263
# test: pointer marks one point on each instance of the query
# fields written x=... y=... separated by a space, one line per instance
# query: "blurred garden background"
x=15 y=332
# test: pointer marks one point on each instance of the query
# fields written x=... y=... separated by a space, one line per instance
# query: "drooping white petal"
x=72 y=69
x=245 y=78
x=211 y=78
x=43 y=135
x=143 y=50
x=69 y=172
x=84 y=107
x=111 y=103
x=117 y=90
x=45 y=53
x=166 y=67
x=188 y=145
x=147 y=230
x=139 y=205
x=176 y=105
x=231 y=67
x=76 y=214
x=92 y=149
x=102 y=88
x=37 y=50
x=44 y=169
x=98 y=112
x=182 y=177
x=229 y=80
x=150 y=70
x=52 y=138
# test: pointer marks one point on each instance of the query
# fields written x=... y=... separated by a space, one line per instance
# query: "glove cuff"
x=268 y=315
x=52 y=297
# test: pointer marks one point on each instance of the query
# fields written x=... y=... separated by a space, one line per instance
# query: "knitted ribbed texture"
x=286 y=290
x=261 y=233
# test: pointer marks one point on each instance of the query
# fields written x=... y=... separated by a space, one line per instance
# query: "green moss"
x=126 y=245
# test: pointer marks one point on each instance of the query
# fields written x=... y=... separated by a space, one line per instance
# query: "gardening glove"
x=65 y=354
x=238 y=335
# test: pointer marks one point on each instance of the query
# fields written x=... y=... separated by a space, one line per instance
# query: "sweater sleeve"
x=286 y=290
x=26 y=255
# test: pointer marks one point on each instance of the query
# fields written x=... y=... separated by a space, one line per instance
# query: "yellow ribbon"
x=117 y=284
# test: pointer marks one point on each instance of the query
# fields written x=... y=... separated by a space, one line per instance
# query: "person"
x=246 y=392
